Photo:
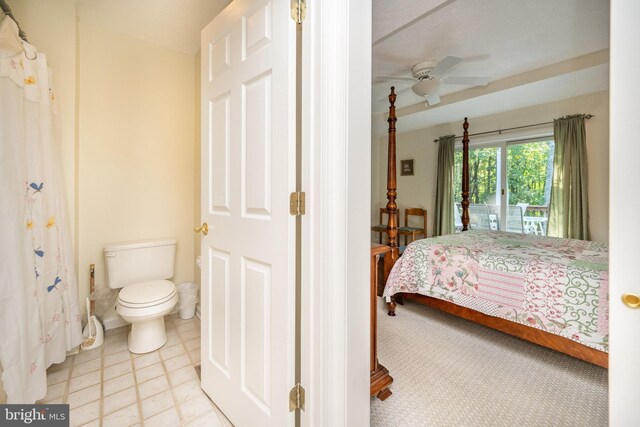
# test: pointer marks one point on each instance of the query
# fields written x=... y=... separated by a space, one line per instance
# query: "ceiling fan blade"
x=445 y=65
x=432 y=99
x=467 y=81
x=398 y=78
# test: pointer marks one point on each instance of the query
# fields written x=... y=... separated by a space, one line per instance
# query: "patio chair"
x=479 y=217
x=457 y=217
x=515 y=219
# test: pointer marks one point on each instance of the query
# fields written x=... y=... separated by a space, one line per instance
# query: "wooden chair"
x=382 y=227
x=414 y=232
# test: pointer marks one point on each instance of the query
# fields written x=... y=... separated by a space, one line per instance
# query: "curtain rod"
x=6 y=9
x=586 y=116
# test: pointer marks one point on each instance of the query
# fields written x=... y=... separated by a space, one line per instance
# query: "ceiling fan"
x=428 y=76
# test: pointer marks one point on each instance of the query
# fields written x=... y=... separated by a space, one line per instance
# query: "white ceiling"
x=530 y=42
x=174 y=24
x=526 y=47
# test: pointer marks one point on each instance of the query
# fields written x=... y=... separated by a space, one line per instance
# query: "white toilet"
x=141 y=269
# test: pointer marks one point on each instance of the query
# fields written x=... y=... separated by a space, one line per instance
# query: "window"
x=509 y=185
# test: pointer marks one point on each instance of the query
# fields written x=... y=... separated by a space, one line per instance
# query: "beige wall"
x=419 y=190
x=136 y=147
x=416 y=191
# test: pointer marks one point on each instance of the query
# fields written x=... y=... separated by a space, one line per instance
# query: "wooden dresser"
x=380 y=378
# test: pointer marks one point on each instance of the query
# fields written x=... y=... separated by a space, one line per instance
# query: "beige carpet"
x=451 y=372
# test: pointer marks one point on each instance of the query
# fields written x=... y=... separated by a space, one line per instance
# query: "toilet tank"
x=128 y=263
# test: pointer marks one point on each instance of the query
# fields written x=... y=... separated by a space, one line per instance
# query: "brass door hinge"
x=298 y=10
x=296 y=398
x=296 y=203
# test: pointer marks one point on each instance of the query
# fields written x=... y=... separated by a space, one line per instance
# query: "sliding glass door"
x=484 y=186
x=509 y=186
x=529 y=178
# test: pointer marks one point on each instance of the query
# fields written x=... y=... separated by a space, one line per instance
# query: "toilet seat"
x=147 y=294
x=144 y=305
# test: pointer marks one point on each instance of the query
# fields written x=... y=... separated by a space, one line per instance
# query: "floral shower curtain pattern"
x=39 y=314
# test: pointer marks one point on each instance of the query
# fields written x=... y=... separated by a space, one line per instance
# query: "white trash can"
x=187 y=300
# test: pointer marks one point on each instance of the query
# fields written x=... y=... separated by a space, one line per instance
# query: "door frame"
x=336 y=139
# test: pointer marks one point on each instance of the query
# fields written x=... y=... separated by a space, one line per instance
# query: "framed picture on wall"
x=406 y=167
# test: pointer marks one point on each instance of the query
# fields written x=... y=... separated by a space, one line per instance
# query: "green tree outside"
x=529 y=173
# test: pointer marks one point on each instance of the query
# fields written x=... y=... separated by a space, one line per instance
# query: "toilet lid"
x=147 y=293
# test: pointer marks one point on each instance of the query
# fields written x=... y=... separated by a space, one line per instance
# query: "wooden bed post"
x=392 y=208
x=465 y=176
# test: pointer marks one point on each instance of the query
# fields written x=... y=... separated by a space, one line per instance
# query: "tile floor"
x=109 y=386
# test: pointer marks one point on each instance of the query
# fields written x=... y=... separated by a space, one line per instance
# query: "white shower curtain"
x=39 y=316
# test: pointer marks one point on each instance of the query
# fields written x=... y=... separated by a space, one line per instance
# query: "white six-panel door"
x=248 y=171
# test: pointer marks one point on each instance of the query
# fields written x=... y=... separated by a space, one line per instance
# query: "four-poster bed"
x=501 y=277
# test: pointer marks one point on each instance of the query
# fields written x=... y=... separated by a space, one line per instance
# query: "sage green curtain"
x=568 y=207
x=444 y=221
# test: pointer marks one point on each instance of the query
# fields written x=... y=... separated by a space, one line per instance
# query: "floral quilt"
x=558 y=285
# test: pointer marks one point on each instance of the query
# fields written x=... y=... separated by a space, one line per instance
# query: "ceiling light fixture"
x=426 y=87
